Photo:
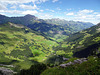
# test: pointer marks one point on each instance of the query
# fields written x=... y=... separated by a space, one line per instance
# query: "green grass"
x=24 y=64
x=18 y=44
x=3 y=59
x=91 y=67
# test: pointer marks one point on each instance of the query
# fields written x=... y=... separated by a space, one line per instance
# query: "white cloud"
x=28 y=6
x=54 y=1
x=98 y=15
x=44 y=16
x=17 y=12
x=95 y=13
x=10 y=11
x=32 y=12
x=70 y=14
x=2 y=7
x=50 y=10
x=1 y=11
x=41 y=10
x=13 y=7
x=16 y=3
x=41 y=1
x=85 y=11
x=22 y=1
x=58 y=8
x=85 y=16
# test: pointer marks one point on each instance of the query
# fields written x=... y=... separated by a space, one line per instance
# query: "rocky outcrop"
x=6 y=65
x=77 y=61
x=6 y=71
x=65 y=59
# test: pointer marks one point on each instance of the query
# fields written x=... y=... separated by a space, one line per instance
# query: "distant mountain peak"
x=2 y=15
x=30 y=16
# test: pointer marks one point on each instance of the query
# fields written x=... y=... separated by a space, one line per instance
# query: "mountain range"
x=28 y=40
x=55 y=29
x=75 y=25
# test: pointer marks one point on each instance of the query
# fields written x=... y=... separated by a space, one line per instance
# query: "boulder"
x=77 y=61
x=63 y=65
x=65 y=59
x=6 y=71
x=68 y=64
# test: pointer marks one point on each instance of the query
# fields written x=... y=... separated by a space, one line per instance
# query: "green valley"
x=39 y=47
x=84 y=44
x=49 y=37
x=21 y=44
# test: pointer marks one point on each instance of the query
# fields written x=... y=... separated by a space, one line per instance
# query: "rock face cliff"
x=77 y=61
x=6 y=71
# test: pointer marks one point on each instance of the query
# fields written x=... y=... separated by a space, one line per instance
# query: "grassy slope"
x=79 y=41
x=84 y=40
x=91 y=67
x=20 y=45
x=83 y=44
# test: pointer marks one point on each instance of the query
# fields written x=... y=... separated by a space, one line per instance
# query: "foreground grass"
x=91 y=67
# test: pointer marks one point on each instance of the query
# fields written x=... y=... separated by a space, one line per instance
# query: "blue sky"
x=77 y=10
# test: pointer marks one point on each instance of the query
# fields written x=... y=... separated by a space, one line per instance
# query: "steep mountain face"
x=24 y=20
x=50 y=30
x=3 y=19
x=85 y=43
x=46 y=27
x=22 y=46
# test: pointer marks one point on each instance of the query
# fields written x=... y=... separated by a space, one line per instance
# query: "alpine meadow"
x=49 y=37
